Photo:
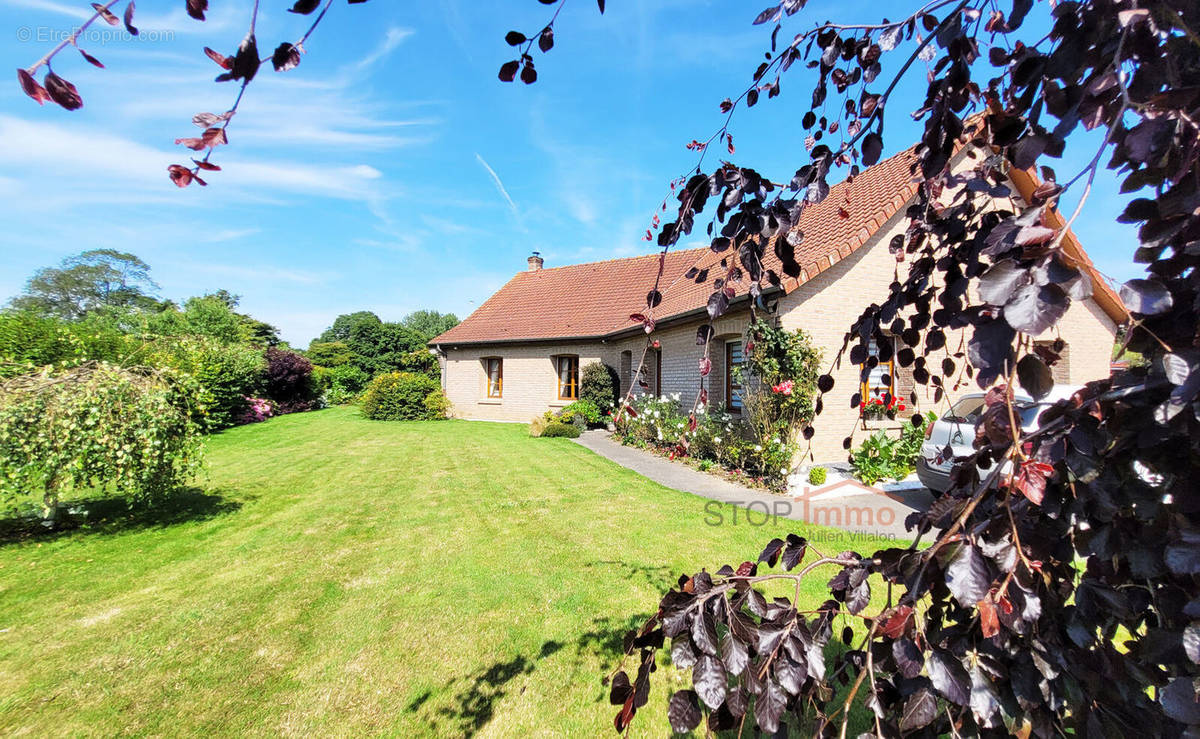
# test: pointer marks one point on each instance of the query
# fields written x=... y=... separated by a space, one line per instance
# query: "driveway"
x=847 y=505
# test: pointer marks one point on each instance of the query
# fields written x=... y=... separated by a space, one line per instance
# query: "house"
x=521 y=352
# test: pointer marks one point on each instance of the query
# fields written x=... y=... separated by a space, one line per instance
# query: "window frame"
x=730 y=385
x=573 y=379
x=487 y=378
x=865 y=384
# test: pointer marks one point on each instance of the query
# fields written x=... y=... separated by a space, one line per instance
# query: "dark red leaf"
x=91 y=59
x=31 y=87
x=106 y=14
x=304 y=7
x=508 y=71
x=180 y=175
x=62 y=92
x=129 y=27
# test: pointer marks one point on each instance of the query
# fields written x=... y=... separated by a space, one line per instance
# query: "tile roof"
x=596 y=299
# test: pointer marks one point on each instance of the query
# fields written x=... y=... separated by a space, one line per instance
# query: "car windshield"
x=968 y=409
x=1029 y=414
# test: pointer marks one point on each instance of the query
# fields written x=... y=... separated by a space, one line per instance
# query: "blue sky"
x=391 y=170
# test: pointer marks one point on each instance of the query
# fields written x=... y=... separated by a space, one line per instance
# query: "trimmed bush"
x=398 y=396
x=600 y=385
x=557 y=429
x=817 y=476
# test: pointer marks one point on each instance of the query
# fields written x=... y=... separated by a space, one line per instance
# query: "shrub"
x=779 y=380
x=227 y=374
x=96 y=425
x=600 y=385
x=437 y=405
x=398 y=396
x=582 y=413
x=29 y=341
x=421 y=361
x=817 y=476
x=557 y=429
x=258 y=410
x=537 y=426
x=288 y=381
x=881 y=456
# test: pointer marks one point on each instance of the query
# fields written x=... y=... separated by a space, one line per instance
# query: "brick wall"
x=825 y=307
x=530 y=378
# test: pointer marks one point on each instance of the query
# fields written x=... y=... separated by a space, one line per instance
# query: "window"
x=881 y=379
x=494 y=366
x=568 y=378
x=733 y=388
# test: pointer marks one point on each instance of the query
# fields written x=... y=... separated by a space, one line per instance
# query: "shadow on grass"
x=113 y=514
x=474 y=697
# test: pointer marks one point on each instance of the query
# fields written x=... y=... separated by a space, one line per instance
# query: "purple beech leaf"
x=683 y=711
x=908 y=657
x=106 y=14
x=1146 y=297
x=128 y=19
x=710 y=680
x=919 y=711
x=31 y=87
x=949 y=677
x=286 y=57
x=1001 y=281
x=682 y=654
x=91 y=59
x=733 y=654
x=1034 y=309
x=1035 y=376
x=967 y=576
x=62 y=92
x=196 y=8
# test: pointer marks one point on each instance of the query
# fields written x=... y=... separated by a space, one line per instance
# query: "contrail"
x=499 y=186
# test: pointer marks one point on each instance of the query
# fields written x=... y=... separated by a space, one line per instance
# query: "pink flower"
x=784 y=388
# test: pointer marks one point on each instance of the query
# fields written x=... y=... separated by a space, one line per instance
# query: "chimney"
x=535 y=262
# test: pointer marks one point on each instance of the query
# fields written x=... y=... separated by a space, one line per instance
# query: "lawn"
x=332 y=575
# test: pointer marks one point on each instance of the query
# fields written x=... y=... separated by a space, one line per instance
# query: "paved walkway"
x=848 y=506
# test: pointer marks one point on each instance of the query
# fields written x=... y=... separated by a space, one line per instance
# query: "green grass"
x=333 y=575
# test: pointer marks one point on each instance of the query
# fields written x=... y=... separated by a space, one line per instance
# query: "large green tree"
x=429 y=323
x=375 y=346
x=83 y=283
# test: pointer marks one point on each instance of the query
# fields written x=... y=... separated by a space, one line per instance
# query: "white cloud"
x=86 y=162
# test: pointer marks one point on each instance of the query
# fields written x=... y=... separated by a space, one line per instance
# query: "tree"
x=429 y=323
x=346 y=323
x=375 y=346
x=99 y=278
x=141 y=439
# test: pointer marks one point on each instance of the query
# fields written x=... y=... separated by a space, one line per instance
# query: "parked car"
x=956 y=429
